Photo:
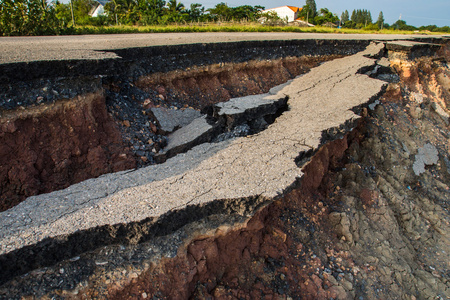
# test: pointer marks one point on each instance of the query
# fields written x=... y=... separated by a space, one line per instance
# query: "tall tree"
x=344 y=17
x=367 y=17
x=380 y=21
x=175 y=6
x=309 y=11
x=325 y=16
x=221 y=12
x=246 y=12
x=361 y=18
x=82 y=8
x=312 y=6
x=354 y=18
x=196 y=12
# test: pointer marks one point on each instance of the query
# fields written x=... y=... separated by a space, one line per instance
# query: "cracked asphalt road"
x=100 y=46
x=262 y=165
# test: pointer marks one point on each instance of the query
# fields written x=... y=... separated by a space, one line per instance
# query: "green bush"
x=29 y=17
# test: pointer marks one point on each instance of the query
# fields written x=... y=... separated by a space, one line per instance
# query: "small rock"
x=373 y=105
x=171 y=119
x=160 y=89
x=146 y=103
x=9 y=126
x=348 y=286
x=197 y=132
x=338 y=292
x=126 y=123
x=441 y=112
x=153 y=127
x=243 y=109
x=140 y=153
x=418 y=97
x=144 y=295
x=427 y=155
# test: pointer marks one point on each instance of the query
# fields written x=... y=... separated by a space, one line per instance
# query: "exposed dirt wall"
x=360 y=224
x=263 y=260
x=52 y=146
x=201 y=86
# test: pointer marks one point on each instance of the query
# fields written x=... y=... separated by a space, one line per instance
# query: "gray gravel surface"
x=27 y=49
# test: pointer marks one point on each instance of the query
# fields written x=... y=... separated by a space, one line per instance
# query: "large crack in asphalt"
x=150 y=200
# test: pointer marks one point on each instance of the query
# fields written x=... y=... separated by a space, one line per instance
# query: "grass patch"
x=226 y=27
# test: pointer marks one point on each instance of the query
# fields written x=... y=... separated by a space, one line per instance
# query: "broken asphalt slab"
x=197 y=132
x=171 y=119
x=259 y=167
x=240 y=110
x=225 y=116
x=412 y=49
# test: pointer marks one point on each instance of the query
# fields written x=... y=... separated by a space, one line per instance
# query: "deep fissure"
x=316 y=238
x=139 y=140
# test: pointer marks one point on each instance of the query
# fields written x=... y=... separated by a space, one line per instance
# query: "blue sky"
x=414 y=12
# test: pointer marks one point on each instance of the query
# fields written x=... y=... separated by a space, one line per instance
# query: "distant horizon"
x=413 y=12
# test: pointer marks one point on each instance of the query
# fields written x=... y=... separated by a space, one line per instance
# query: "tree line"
x=359 y=19
x=38 y=17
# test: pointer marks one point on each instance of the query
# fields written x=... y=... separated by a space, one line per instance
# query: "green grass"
x=226 y=27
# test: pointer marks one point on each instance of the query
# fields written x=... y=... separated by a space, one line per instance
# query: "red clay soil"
x=360 y=224
x=202 y=86
x=50 y=147
x=264 y=260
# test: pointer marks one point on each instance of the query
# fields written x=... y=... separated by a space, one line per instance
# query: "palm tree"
x=175 y=6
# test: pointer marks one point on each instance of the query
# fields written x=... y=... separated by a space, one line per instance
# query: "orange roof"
x=294 y=9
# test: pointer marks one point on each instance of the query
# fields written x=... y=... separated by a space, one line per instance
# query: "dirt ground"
x=362 y=224
x=368 y=220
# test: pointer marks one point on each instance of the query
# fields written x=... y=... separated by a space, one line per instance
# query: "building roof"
x=103 y=2
x=293 y=8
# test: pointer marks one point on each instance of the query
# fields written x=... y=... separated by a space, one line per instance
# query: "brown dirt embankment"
x=361 y=224
x=200 y=86
x=51 y=146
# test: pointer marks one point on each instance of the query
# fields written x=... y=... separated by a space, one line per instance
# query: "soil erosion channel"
x=227 y=175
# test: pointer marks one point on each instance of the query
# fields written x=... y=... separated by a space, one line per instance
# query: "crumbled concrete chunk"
x=427 y=155
x=441 y=112
x=172 y=119
x=196 y=132
x=243 y=109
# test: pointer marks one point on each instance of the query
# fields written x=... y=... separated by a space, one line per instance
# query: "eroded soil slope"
x=364 y=223
x=64 y=139
x=368 y=220
x=51 y=146
x=197 y=87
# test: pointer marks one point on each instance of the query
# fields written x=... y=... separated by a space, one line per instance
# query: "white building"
x=291 y=12
x=99 y=9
